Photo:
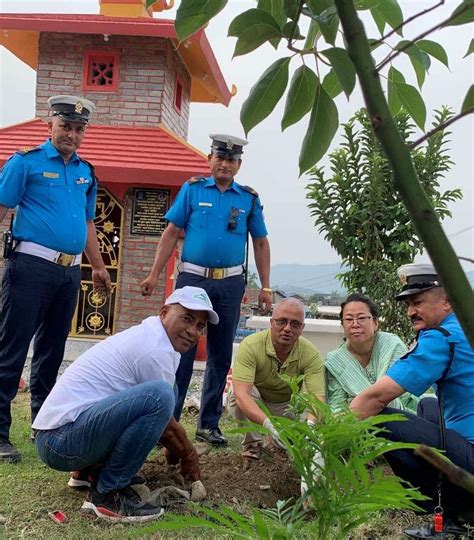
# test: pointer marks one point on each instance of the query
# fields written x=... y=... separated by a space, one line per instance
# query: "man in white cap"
x=443 y=358
x=115 y=402
x=217 y=215
x=54 y=192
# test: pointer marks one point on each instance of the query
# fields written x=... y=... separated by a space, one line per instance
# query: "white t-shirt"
x=140 y=354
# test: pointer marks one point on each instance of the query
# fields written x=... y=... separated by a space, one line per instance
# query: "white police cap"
x=72 y=108
x=227 y=145
x=417 y=278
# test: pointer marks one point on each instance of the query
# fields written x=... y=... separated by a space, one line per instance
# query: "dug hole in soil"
x=230 y=478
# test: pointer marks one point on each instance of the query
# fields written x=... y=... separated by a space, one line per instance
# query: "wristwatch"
x=266 y=289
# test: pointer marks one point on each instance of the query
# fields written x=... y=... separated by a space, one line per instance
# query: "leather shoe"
x=212 y=436
x=8 y=452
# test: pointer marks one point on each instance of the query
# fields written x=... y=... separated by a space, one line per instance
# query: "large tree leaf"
x=265 y=94
x=325 y=13
x=322 y=127
x=433 y=49
x=470 y=49
x=419 y=59
x=290 y=7
x=379 y=19
x=468 y=102
x=463 y=14
x=331 y=84
x=252 y=28
x=412 y=102
x=300 y=96
x=275 y=8
x=194 y=14
x=394 y=103
x=365 y=4
x=388 y=11
x=343 y=67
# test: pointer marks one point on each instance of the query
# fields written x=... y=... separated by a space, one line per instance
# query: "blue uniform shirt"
x=203 y=211
x=54 y=199
x=427 y=362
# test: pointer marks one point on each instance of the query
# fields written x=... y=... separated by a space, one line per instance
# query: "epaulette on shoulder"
x=250 y=190
x=195 y=179
x=27 y=150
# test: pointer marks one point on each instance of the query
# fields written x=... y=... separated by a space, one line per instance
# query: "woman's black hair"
x=357 y=297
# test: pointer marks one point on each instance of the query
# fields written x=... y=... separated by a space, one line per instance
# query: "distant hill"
x=309 y=279
x=306 y=279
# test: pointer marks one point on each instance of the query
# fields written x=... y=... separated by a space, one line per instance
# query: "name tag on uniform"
x=50 y=175
x=205 y=204
x=242 y=210
x=82 y=180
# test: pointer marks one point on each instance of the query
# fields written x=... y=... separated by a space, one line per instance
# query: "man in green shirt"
x=261 y=360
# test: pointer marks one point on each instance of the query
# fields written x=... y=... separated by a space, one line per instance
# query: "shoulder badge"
x=250 y=190
x=195 y=179
x=26 y=150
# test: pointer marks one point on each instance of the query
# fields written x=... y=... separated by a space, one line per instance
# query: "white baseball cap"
x=193 y=298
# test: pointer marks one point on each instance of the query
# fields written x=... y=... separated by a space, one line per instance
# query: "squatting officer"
x=54 y=192
x=442 y=357
x=216 y=214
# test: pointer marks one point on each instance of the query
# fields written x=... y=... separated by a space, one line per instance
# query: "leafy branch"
x=407 y=21
x=453 y=17
x=441 y=127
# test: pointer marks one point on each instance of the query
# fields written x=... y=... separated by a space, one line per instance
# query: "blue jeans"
x=226 y=296
x=423 y=428
x=38 y=299
x=118 y=432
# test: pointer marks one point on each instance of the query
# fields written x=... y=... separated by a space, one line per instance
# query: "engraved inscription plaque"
x=148 y=211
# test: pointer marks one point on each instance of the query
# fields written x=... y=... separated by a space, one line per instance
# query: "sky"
x=270 y=163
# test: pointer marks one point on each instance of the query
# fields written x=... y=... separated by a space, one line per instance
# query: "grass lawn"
x=29 y=490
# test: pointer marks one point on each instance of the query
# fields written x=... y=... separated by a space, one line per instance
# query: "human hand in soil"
x=179 y=449
x=274 y=434
x=190 y=466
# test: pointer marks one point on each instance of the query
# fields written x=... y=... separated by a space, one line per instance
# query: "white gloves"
x=274 y=433
x=317 y=469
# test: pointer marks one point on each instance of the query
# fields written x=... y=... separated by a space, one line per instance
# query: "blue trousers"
x=38 y=299
x=226 y=296
x=118 y=432
x=423 y=428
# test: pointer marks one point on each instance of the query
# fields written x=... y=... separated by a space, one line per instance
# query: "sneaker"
x=8 y=452
x=83 y=480
x=121 y=506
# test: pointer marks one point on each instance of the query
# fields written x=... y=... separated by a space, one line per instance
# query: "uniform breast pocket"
x=241 y=227
x=205 y=217
x=80 y=194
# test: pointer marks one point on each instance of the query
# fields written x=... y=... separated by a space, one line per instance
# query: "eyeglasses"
x=281 y=323
x=349 y=321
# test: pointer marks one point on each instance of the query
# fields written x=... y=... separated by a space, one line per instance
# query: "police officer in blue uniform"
x=216 y=213
x=54 y=193
x=442 y=357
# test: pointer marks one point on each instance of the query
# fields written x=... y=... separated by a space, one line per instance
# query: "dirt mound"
x=231 y=479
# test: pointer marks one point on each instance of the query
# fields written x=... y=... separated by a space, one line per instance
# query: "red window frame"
x=89 y=57
x=178 y=95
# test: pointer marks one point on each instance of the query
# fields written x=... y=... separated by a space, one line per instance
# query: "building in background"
x=142 y=81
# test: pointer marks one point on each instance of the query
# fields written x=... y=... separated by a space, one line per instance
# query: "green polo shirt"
x=256 y=362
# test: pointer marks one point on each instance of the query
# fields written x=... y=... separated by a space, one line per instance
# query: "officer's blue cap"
x=72 y=108
x=227 y=146
x=417 y=278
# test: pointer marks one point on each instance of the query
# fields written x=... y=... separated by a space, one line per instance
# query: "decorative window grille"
x=100 y=71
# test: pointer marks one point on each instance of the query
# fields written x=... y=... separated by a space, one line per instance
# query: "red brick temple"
x=142 y=81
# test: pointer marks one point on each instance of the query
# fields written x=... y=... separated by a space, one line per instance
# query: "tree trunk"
x=405 y=179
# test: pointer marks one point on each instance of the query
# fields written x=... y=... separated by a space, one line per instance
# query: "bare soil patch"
x=231 y=479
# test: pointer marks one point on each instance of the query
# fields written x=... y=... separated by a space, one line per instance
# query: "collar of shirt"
x=211 y=182
x=161 y=331
x=52 y=152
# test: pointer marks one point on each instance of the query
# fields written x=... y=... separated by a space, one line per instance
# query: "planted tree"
x=353 y=54
x=365 y=220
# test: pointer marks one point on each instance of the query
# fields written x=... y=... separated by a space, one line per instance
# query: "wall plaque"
x=148 y=211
